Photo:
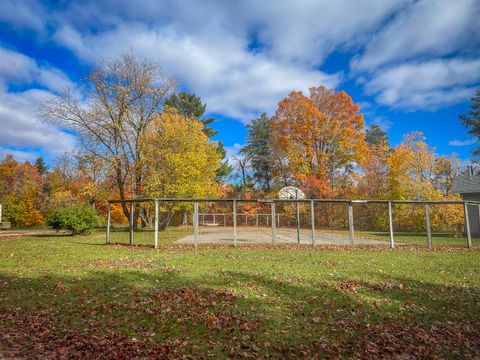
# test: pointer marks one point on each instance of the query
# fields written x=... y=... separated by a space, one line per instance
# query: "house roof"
x=466 y=183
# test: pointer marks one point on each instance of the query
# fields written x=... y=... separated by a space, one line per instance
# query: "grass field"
x=121 y=235
x=74 y=297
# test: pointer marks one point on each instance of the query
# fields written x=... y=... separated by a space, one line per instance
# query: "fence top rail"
x=118 y=201
x=341 y=201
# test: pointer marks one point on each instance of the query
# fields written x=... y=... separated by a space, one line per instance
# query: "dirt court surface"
x=223 y=235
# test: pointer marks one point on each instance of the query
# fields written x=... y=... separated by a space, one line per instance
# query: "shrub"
x=77 y=219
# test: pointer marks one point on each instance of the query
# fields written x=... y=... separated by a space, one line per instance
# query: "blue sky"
x=410 y=65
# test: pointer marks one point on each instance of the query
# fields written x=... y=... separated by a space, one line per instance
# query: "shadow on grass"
x=142 y=308
x=51 y=235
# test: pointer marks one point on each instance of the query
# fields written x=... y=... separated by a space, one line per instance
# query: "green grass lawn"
x=74 y=297
x=418 y=239
x=145 y=237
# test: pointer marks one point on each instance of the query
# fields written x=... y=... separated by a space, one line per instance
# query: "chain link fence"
x=308 y=221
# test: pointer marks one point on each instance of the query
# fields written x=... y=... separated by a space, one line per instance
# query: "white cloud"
x=462 y=142
x=232 y=80
x=18 y=68
x=429 y=28
x=15 y=66
x=242 y=57
x=364 y=106
x=383 y=122
x=233 y=152
x=308 y=31
x=21 y=14
x=425 y=85
x=425 y=58
x=213 y=57
x=21 y=131
x=428 y=100
x=305 y=31
x=21 y=128
x=19 y=155
x=427 y=75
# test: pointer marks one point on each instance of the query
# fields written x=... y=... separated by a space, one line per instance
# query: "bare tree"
x=119 y=99
x=242 y=170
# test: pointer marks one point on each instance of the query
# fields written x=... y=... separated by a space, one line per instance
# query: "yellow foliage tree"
x=417 y=173
x=180 y=161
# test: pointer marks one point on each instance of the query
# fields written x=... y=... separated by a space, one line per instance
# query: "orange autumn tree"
x=21 y=192
x=320 y=136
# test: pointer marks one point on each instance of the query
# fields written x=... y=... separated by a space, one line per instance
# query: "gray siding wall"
x=473 y=213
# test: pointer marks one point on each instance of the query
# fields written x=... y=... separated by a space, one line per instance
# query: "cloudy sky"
x=410 y=65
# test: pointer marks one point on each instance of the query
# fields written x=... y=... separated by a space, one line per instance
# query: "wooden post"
x=131 y=222
x=350 y=222
x=427 y=224
x=195 y=225
x=235 y=222
x=274 y=230
x=390 y=223
x=155 y=243
x=107 y=239
x=312 y=220
x=467 y=225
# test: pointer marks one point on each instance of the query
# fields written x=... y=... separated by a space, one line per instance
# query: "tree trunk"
x=136 y=214
x=121 y=191
x=145 y=217
x=164 y=219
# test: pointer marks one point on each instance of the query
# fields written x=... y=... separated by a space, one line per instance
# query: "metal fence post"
x=235 y=222
x=390 y=223
x=350 y=222
x=131 y=222
x=195 y=225
x=467 y=225
x=155 y=243
x=298 y=220
x=107 y=236
x=274 y=228
x=312 y=220
x=427 y=223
